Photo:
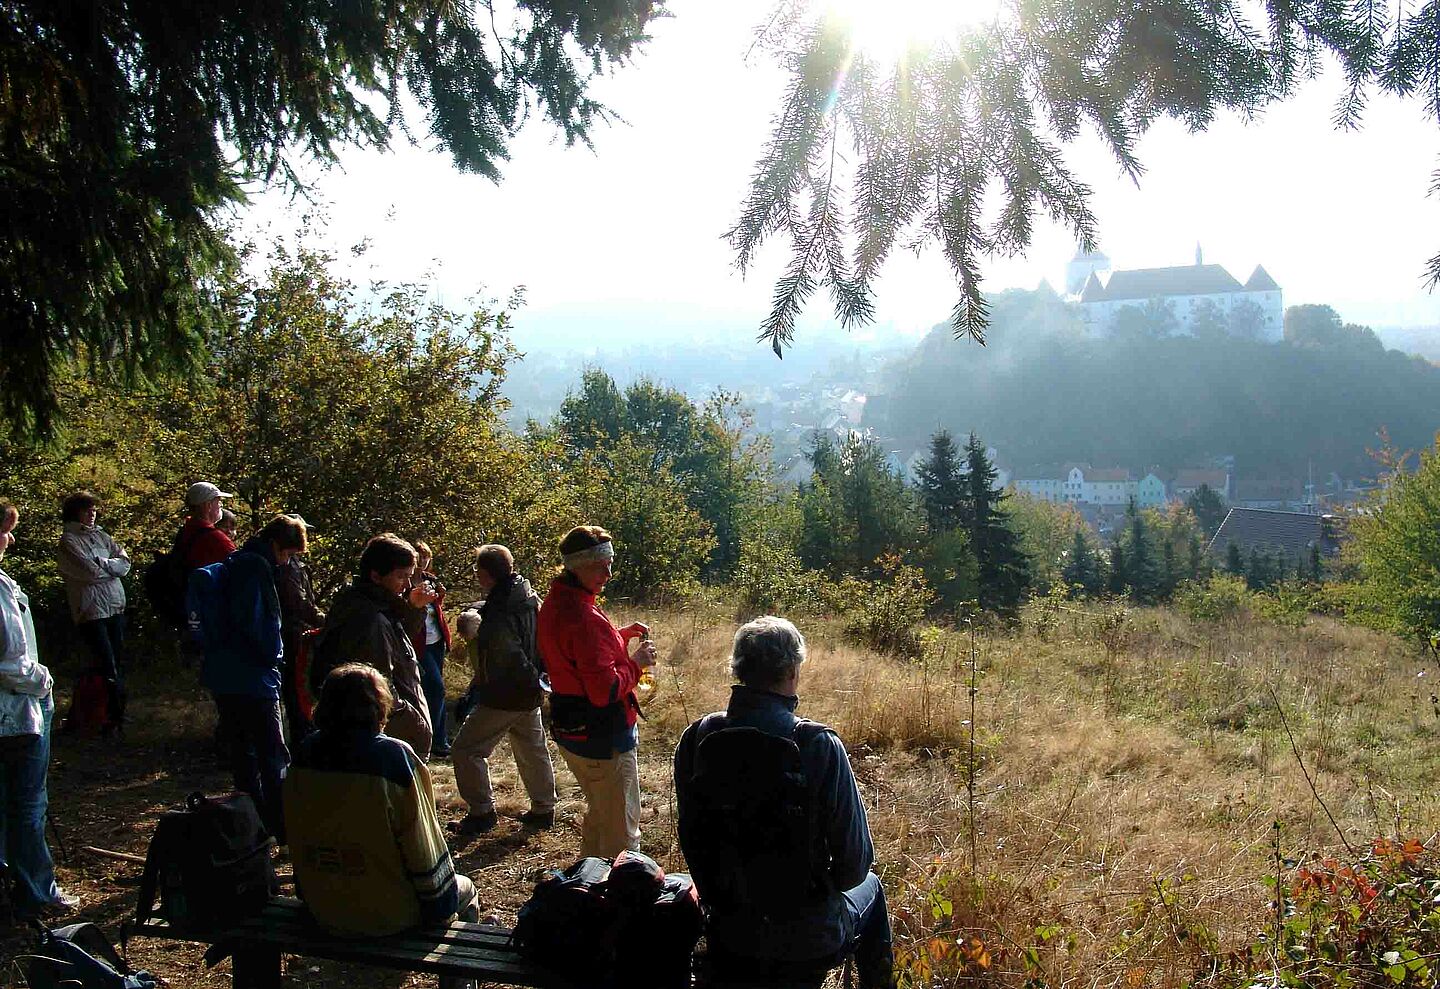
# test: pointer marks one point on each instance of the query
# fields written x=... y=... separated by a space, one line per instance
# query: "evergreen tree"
x=938 y=135
x=1170 y=575
x=1002 y=568
x=1118 y=578
x=1317 y=568
x=854 y=509
x=1082 y=566
x=1234 y=563
x=1142 y=573
x=1197 y=565
x=940 y=481
x=1208 y=508
x=132 y=130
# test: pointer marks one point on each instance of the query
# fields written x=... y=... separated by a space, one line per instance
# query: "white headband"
x=599 y=553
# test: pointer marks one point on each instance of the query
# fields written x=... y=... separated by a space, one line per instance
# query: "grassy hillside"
x=1129 y=771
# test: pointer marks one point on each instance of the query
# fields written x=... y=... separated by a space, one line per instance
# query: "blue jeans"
x=871 y=938
x=250 y=726
x=24 y=763
x=432 y=683
x=868 y=921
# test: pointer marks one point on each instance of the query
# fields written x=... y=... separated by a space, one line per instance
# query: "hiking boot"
x=539 y=820
x=477 y=823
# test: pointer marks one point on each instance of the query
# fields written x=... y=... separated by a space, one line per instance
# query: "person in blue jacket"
x=237 y=610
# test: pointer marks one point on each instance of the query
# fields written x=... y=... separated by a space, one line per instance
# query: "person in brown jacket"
x=366 y=625
x=299 y=613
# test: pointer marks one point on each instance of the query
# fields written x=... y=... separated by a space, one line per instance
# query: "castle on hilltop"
x=1101 y=293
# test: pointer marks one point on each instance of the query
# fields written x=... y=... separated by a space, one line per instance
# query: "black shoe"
x=538 y=819
x=477 y=823
x=440 y=753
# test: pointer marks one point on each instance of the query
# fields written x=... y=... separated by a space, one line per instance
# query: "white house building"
x=1103 y=293
x=1086 y=485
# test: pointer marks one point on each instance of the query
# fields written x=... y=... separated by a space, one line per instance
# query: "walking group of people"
x=355 y=804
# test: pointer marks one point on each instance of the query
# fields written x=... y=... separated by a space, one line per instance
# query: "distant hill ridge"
x=1042 y=391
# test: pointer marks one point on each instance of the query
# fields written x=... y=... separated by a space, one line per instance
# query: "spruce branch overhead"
x=960 y=143
x=132 y=127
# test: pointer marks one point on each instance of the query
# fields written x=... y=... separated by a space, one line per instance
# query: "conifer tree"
x=1118 y=577
x=1003 y=569
x=1234 y=563
x=961 y=141
x=132 y=128
x=941 y=483
x=1196 y=563
x=1082 y=566
x=1208 y=508
x=1142 y=574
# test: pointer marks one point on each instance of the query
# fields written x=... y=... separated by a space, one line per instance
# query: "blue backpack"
x=79 y=955
x=207 y=611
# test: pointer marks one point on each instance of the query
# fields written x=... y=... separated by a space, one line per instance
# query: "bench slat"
x=474 y=951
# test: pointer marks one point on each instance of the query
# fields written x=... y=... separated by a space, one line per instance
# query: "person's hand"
x=634 y=629
x=645 y=655
x=423 y=594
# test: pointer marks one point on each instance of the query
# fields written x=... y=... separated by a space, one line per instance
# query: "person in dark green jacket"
x=505 y=696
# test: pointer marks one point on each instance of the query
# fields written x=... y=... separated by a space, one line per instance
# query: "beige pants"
x=470 y=753
x=612 y=799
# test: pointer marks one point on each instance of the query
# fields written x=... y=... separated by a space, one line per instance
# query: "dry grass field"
x=1103 y=812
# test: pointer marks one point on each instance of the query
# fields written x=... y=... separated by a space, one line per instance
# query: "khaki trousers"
x=612 y=802
x=470 y=753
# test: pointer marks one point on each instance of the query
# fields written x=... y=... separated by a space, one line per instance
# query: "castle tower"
x=1081 y=267
x=1199 y=255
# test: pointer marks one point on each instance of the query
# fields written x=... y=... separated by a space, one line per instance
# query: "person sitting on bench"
x=369 y=855
x=773 y=828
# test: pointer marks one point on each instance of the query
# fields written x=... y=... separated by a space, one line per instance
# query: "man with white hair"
x=774 y=830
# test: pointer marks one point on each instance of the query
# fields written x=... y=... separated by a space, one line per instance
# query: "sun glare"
x=885 y=30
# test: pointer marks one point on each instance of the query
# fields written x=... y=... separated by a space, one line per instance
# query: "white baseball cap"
x=202 y=491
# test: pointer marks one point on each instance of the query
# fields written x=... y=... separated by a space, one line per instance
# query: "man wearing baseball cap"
x=199 y=542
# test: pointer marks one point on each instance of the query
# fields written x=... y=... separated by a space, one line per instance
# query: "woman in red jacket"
x=593 y=709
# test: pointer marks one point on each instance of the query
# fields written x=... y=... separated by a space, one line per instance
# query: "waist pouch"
x=584 y=728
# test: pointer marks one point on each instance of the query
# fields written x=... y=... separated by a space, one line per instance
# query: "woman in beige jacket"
x=92 y=564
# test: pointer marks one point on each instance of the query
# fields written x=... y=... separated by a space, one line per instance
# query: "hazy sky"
x=628 y=239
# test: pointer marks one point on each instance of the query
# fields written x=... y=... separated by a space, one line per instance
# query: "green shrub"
x=886 y=614
x=770 y=579
x=1224 y=597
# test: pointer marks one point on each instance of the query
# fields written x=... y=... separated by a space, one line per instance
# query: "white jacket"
x=92 y=564
x=24 y=682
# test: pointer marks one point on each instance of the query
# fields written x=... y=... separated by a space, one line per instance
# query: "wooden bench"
x=459 y=950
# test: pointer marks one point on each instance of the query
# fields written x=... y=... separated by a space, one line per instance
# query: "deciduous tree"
x=131 y=126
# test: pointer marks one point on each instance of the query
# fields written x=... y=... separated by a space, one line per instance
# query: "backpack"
x=164 y=583
x=622 y=925
x=751 y=832
x=89 y=706
x=207 y=600
x=79 y=957
x=299 y=672
x=209 y=864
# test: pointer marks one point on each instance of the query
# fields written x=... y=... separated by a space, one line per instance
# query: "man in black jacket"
x=773 y=827
x=505 y=693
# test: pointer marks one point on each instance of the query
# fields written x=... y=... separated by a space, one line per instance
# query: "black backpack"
x=751 y=832
x=622 y=925
x=209 y=864
x=164 y=582
x=79 y=957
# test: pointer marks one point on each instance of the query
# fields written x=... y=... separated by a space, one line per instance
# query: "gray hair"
x=766 y=651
